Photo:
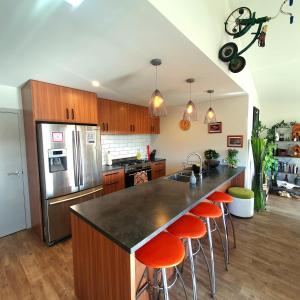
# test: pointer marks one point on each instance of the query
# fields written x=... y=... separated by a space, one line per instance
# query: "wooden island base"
x=102 y=269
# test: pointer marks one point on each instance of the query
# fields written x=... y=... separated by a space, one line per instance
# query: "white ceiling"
x=275 y=68
x=110 y=41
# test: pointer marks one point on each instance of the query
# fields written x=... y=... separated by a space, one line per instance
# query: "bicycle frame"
x=249 y=23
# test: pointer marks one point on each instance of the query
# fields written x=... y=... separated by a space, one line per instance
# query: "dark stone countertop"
x=107 y=168
x=131 y=217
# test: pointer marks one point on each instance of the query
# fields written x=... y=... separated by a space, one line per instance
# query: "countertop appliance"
x=132 y=166
x=70 y=170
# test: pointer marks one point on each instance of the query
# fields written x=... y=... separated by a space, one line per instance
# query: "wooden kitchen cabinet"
x=123 y=118
x=158 y=169
x=56 y=103
x=113 y=181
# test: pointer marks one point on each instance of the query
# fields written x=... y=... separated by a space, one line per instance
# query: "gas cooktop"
x=131 y=163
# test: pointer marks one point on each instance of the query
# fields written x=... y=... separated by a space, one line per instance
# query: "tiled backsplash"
x=124 y=145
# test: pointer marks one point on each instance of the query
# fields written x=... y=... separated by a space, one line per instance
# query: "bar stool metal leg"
x=165 y=283
x=194 y=281
x=226 y=233
x=232 y=226
x=212 y=261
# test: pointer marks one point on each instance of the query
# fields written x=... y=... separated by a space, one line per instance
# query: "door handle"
x=17 y=173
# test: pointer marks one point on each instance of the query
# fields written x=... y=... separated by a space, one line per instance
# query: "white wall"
x=10 y=97
x=175 y=144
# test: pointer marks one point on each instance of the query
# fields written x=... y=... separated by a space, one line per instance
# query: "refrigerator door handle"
x=80 y=177
x=74 y=142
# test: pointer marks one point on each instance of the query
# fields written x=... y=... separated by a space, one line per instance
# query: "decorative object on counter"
x=297 y=180
x=152 y=155
x=193 y=179
x=184 y=125
x=243 y=202
x=108 y=158
x=190 y=112
x=157 y=106
x=231 y=158
x=148 y=152
x=211 y=157
x=235 y=141
x=210 y=116
x=215 y=127
x=238 y=23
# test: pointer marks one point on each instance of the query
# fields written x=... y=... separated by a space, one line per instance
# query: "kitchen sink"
x=183 y=176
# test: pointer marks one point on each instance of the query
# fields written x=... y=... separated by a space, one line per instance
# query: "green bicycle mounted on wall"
x=238 y=24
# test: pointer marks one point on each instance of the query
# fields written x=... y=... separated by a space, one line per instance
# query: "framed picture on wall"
x=235 y=141
x=215 y=127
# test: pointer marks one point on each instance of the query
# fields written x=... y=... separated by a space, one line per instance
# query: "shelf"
x=289 y=173
x=276 y=156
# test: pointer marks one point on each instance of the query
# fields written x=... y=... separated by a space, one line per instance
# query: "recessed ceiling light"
x=95 y=83
x=74 y=2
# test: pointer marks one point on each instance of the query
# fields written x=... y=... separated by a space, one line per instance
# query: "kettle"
x=152 y=154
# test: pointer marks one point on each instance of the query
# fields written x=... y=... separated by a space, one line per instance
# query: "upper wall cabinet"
x=123 y=118
x=56 y=103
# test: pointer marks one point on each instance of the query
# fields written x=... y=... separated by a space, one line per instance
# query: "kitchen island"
x=108 y=230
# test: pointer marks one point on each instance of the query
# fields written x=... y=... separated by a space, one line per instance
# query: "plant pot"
x=259 y=195
x=212 y=163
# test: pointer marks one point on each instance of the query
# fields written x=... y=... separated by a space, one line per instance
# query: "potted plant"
x=231 y=158
x=259 y=150
x=211 y=157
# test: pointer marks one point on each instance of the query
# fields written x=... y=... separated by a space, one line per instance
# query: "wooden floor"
x=265 y=265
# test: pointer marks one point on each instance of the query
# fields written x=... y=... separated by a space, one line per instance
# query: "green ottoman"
x=243 y=202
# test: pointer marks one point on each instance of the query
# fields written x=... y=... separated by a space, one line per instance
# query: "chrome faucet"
x=200 y=160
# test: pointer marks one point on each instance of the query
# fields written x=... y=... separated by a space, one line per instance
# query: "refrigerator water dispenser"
x=57 y=160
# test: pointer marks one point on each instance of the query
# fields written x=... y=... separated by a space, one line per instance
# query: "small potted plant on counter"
x=211 y=157
x=231 y=158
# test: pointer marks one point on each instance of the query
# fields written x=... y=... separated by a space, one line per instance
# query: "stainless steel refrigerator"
x=70 y=172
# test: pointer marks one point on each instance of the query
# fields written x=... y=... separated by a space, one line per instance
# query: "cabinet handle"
x=111 y=174
x=73 y=114
x=133 y=126
x=67 y=113
x=106 y=126
x=115 y=182
x=103 y=127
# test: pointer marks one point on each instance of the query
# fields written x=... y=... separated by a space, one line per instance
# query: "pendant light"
x=210 y=116
x=157 y=106
x=190 y=113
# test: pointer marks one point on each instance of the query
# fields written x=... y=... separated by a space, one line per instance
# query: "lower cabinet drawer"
x=158 y=169
x=113 y=181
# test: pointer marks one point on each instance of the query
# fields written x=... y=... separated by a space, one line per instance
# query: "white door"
x=12 y=202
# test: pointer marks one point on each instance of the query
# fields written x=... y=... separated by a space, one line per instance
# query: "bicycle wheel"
x=232 y=25
x=228 y=51
x=237 y=64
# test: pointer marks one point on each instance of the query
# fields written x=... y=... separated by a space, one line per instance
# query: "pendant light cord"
x=156 y=77
x=190 y=91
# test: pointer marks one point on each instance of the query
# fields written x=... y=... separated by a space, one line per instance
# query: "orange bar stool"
x=162 y=252
x=210 y=211
x=223 y=200
x=190 y=228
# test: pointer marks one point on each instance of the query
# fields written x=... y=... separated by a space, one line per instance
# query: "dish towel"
x=140 y=177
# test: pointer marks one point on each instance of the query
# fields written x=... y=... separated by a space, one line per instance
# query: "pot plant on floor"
x=259 y=154
x=231 y=158
x=211 y=158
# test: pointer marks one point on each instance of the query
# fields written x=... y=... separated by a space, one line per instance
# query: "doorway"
x=12 y=200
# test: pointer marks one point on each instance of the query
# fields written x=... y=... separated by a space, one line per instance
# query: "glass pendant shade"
x=157 y=106
x=190 y=112
x=210 y=116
